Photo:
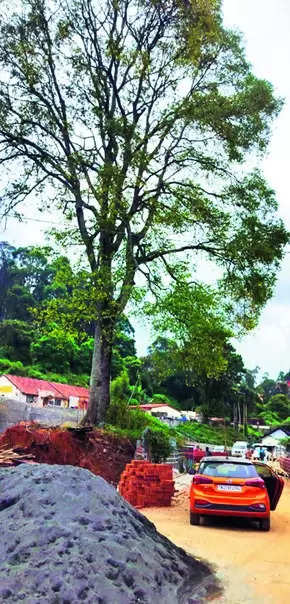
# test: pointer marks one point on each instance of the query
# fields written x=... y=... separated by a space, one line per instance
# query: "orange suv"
x=234 y=487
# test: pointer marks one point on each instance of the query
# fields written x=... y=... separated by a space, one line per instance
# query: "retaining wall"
x=12 y=412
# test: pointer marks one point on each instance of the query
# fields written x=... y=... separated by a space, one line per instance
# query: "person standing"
x=207 y=452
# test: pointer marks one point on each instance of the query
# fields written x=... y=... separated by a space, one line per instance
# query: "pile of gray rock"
x=68 y=537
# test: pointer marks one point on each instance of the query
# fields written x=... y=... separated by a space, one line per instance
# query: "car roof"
x=222 y=458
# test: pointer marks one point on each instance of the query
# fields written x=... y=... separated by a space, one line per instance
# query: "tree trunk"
x=239 y=415
x=235 y=416
x=245 y=418
x=100 y=377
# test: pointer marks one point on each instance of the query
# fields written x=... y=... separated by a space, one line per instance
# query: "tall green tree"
x=133 y=118
x=26 y=276
x=16 y=338
x=7 y=277
x=266 y=388
x=279 y=404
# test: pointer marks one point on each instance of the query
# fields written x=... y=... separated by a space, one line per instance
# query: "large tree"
x=133 y=117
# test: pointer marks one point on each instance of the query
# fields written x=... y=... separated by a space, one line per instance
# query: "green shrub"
x=12 y=367
x=158 y=444
x=117 y=414
x=204 y=433
x=167 y=400
x=120 y=388
x=285 y=442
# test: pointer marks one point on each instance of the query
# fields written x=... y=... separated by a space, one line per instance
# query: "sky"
x=266 y=28
x=265 y=25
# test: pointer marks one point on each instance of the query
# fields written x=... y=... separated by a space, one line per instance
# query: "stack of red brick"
x=285 y=464
x=145 y=484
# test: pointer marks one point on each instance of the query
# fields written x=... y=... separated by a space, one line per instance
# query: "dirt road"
x=253 y=566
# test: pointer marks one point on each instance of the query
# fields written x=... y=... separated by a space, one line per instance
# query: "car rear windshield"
x=227 y=469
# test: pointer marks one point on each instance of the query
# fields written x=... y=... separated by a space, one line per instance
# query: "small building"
x=216 y=421
x=161 y=411
x=76 y=396
x=192 y=416
x=42 y=393
x=277 y=434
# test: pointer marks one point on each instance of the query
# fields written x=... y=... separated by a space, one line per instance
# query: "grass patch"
x=216 y=435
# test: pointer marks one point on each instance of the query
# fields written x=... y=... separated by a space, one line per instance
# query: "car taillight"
x=255 y=482
x=201 y=503
x=198 y=479
x=259 y=507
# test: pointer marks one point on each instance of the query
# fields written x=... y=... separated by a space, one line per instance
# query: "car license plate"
x=229 y=487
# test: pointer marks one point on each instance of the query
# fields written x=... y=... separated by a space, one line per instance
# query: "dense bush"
x=285 y=442
x=158 y=444
x=216 y=435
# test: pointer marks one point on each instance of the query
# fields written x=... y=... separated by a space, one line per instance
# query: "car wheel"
x=194 y=518
x=265 y=524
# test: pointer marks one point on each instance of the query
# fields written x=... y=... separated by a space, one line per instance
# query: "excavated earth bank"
x=101 y=453
x=68 y=537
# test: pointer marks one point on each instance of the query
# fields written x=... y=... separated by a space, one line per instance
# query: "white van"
x=239 y=448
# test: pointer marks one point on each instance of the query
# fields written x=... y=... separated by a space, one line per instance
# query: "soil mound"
x=69 y=537
x=95 y=450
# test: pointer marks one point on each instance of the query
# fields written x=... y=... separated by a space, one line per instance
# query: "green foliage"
x=213 y=395
x=15 y=340
x=117 y=414
x=56 y=337
x=158 y=444
x=120 y=387
x=132 y=422
x=194 y=317
x=35 y=371
x=285 y=442
x=270 y=418
x=279 y=404
x=267 y=388
x=147 y=179
x=26 y=275
x=215 y=435
x=166 y=399
x=13 y=367
x=55 y=350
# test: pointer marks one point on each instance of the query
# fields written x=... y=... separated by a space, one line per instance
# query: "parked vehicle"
x=218 y=449
x=239 y=448
x=234 y=487
x=272 y=451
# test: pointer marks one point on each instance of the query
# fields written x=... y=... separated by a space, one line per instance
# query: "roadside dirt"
x=253 y=566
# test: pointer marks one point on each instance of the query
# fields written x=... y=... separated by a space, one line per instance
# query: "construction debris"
x=10 y=457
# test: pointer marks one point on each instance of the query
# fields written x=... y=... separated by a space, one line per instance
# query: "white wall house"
x=7 y=389
x=277 y=435
x=28 y=390
x=41 y=393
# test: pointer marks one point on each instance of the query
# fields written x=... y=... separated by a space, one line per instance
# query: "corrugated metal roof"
x=66 y=390
x=33 y=386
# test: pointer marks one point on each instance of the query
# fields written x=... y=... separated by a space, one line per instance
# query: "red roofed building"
x=162 y=410
x=78 y=396
x=42 y=393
